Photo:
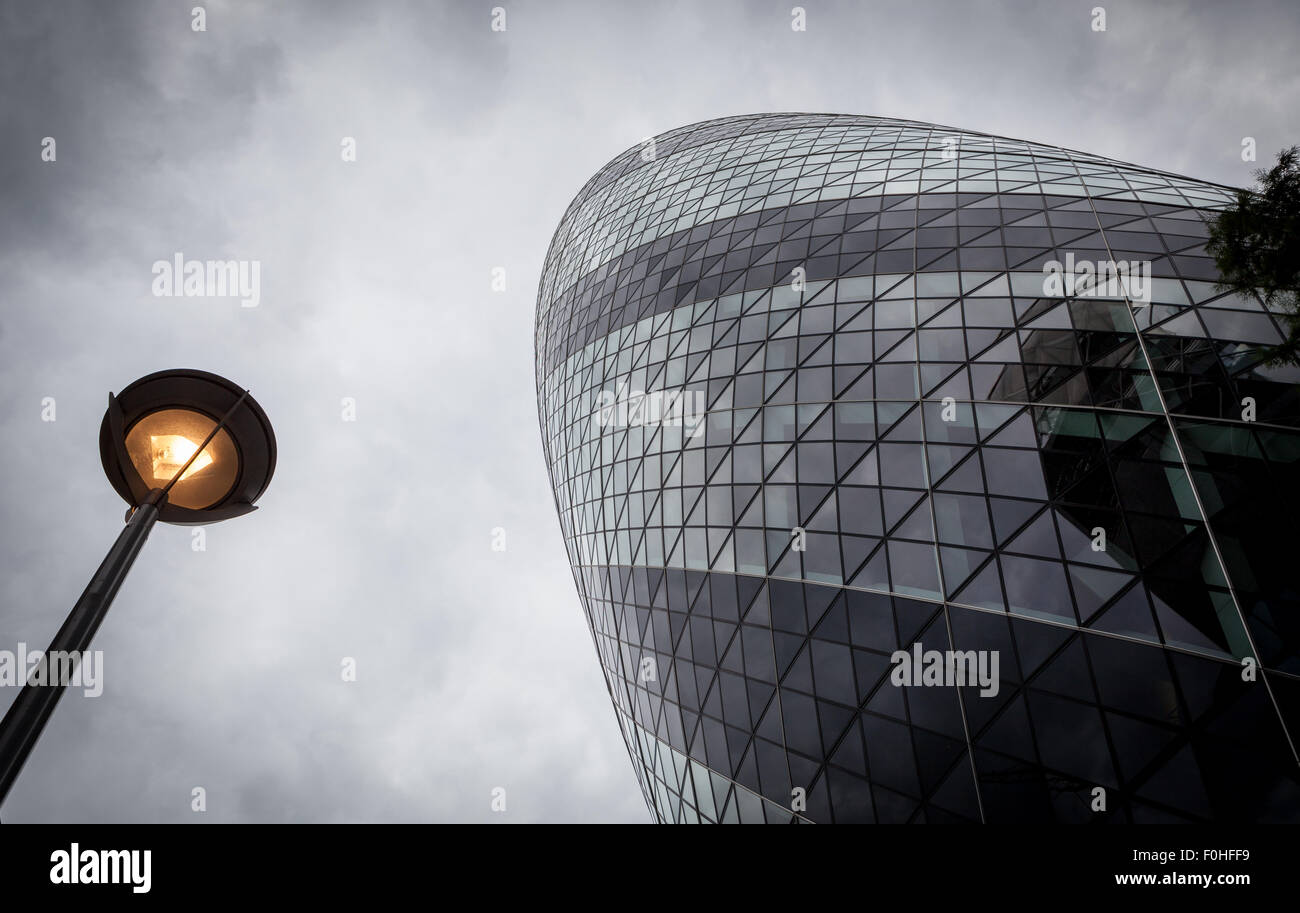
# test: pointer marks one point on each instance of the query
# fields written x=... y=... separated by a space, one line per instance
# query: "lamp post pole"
x=26 y=718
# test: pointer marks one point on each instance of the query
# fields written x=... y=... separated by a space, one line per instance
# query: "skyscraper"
x=916 y=474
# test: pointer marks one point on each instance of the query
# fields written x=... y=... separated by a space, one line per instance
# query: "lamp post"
x=181 y=446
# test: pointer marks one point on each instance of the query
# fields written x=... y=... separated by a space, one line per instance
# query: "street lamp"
x=181 y=446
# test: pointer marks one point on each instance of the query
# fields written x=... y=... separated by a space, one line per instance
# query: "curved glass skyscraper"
x=915 y=474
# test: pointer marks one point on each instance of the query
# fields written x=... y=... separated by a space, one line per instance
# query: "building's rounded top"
x=703 y=177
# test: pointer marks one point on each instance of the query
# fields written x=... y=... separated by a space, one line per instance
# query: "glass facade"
x=819 y=394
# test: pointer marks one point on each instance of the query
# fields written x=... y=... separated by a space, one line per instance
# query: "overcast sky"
x=475 y=669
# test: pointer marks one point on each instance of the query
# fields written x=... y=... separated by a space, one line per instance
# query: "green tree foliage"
x=1256 y=245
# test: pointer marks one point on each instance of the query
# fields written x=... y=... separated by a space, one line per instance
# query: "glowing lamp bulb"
x=170 y=453
x=161 y=442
